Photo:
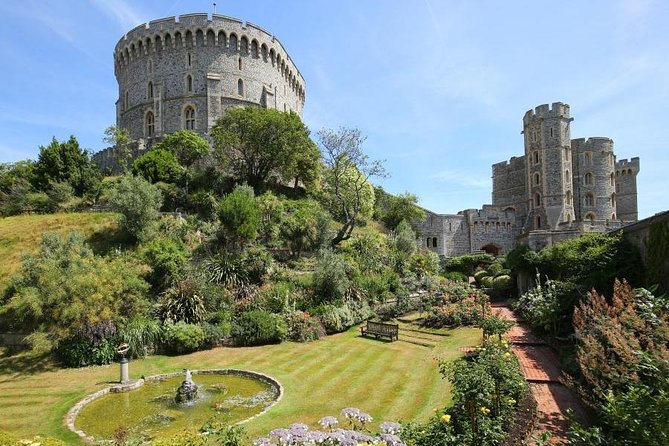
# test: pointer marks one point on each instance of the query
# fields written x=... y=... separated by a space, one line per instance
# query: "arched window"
x=240 y=63
x=613 y=179
x=568 y=219
x=254 y=49
x=434 y=242
x=244 y=46
x=551 y=132
x=588 y=178
x=591 y=217
x=613 y=216
x=150 y=90
x=629 y=171
x=240 y=87
x=535 y=157
x=537 y=199
x=536 y=179
x=567 y=177
x=189 y=118
x=589 y=199
x=587 y=159
x=428 y=242
x=150 y=125
x=189 y=84
x=568 y=197
x=189 y=59
x=538 y=222
x=613 y=200
x=150 y=66
x=566 y=153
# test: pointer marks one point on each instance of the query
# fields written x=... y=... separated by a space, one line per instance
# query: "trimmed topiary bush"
x=183 y=338
x=487 y=281
x=478 y=275
x=503 y=284
x=258 y=327
x=456 y=276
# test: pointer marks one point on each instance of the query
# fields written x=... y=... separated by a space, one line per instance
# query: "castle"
x=183 y=73
x=560 y=188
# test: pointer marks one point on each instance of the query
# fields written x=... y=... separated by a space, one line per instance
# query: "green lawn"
x=391 y=381
x=23 y=233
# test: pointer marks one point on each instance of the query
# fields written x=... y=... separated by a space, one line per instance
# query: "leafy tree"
x=138 y=201
x=186 y=145
x=13 y=173
x=271 y=216
x=168 y=259
x=66 y=286
x=158 y=165
x=119 y=138
x=330 y=279
x=404 y=239
x=66 y=162
x=239 y=213
x=260 y=143
x=300 y=225
x=349 y=194
x=394 y=209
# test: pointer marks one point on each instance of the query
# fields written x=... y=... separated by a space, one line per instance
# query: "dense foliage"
x=138 y=202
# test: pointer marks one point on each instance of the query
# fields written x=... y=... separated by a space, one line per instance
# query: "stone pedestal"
x=125 y=376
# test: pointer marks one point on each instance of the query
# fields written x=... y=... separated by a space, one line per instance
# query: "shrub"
x=456 y=276
x=168 y=260
x=330 y=280
x=258 y=263
x=183 y=338
x=182 y=302
x=138 y=201
x=303 y=328
x=486 y=281
x=468 y=311
x=142 y=335
x=467 y=264
x=214 y=334
x=503 y=285
x=334 y=319
x=225 y=269
x=92 y=344
x=239 y=213
x=258 y=328
x=279 y=297
x=480 y=274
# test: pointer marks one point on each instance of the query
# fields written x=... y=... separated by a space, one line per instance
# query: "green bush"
x=468 y=263
x=138 y=202
x=168 y=260
x=336 y=319
x=303 y=328
x=456 y=276
x=214 y=334
x=330 y=280
x=480 y=274
x=225 y=269
x=239 y=213
x=182 y=302
x=279 y=297
x=92 y=344
x=486 y=281
x=258 y=263
x=503 y=284
x=142 y=335
x=183 y=338
x=258 y=328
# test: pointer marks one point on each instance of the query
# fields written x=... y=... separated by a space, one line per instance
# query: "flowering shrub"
x=331 y=435
x=467 y=311
x=302 y=327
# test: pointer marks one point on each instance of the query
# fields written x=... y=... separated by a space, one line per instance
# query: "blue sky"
x=439 y=87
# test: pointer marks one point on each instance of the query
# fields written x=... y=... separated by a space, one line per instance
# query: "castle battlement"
x=556 y=110
x=627 y=165
x=193 y=30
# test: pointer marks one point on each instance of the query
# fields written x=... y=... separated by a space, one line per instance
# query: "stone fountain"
x=187 y=391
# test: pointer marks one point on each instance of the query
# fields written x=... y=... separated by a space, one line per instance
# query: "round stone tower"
x=548 y=166
x=184 y=72
x=595 y=181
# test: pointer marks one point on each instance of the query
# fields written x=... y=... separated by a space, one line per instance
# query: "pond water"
x=150 y=411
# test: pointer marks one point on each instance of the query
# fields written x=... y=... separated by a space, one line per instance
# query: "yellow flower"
x=507 y=355
x=511 y=401
x=485 y=410
x=446 y=418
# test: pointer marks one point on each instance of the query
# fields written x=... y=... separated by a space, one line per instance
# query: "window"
x=428 y=242
x=535 y=157
x=589 y=199
x=567 y=177
x=434 y=242
x=613 y=200
x=590 y=216
x=588 y=178
x=189 y=84
x=537 y=200
x=150 y=90
x=536 y=179
x=551 y=132
x=150 y=125
x=613 y=179
x=568 y=220
x=150 y=66
x=240 y=63
x=240 y=87
x=189 y=118
x=566 y=153
x=189 y=59
x=587 y=159
x=538 y=223
x=613 y=216
x=126 y=102
x=568 y=198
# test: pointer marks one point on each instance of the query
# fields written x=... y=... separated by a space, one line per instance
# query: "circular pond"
x=151 y=410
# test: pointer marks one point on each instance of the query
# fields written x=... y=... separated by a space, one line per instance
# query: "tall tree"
x=261 y=143
x=66 y=162
x=348 y=192
x=186 y=145
x=120 y=139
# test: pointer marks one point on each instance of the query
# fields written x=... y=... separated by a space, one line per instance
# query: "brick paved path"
x=541 y=368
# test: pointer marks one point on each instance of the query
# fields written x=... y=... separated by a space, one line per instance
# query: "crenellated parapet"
x=183 y=72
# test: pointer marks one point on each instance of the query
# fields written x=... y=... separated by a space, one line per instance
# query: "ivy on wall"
x=657 y=256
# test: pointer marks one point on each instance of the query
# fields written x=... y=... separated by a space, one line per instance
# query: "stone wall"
x=207 y=63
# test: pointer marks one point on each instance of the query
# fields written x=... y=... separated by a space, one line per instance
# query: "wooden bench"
x=377 y=329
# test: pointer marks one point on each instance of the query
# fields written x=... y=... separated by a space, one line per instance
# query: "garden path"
x=541 y=368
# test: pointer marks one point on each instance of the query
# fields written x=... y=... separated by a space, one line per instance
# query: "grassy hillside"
x=23 y=233
x=391 y=381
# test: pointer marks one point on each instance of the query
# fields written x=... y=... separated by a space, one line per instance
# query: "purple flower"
x=364 y=417
x=283 y=435
x=328 y=422
x=350 y=412
x=316 y=436
x=390 y=427
x=392 y=440
x=263 y=441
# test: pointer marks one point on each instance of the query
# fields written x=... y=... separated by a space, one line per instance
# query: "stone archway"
x=491 y=249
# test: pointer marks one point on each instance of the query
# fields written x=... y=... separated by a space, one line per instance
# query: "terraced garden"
x=391 y=381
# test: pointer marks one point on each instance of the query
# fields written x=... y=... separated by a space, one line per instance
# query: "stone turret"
x=626 y=191
x=547 y=161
